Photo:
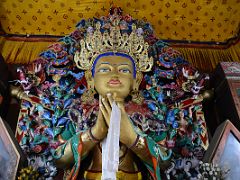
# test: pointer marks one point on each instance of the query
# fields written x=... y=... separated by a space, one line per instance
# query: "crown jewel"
x=96 y=43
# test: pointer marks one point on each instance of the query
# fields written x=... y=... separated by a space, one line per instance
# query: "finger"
x=114 y=96
x=107 y=105
x=104 y=111
x=100 y=101
x=110 y=99
x=120 y=105
x=100 y=115
x=101 y=118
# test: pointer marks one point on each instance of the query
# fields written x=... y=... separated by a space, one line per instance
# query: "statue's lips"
x=114 y=82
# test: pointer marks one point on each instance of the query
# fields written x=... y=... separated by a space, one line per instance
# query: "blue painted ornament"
x=67 y=103
x=175 y=124
x=49 y=131
x=81 y=24
x=67 y=40
x=62 y=121
x=160 y=97
x=48 y=55
x=46 y=115
x=152 y=106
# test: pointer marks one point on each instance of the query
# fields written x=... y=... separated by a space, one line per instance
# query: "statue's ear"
x=137 y=80
x=89 y=78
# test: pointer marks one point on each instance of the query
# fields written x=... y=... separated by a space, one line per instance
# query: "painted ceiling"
x=179 y=20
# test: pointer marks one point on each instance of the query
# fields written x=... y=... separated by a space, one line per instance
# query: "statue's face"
x=114 y=74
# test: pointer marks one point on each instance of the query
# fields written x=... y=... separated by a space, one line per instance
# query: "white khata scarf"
x=110 y=146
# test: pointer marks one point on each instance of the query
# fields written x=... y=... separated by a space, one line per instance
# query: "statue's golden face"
x=114 y=74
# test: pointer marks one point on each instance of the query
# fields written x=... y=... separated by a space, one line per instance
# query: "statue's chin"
x=117 y=96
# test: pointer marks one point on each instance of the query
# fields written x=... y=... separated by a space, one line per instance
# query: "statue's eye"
x=104 y=70
x=124 y=70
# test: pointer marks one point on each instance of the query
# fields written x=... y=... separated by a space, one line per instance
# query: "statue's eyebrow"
x=120 y=64
x=105 y=63
x=124 y=64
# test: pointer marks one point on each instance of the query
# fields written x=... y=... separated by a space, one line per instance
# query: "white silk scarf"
x=110 y=146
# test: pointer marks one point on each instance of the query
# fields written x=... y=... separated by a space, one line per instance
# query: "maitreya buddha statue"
x=111 y=101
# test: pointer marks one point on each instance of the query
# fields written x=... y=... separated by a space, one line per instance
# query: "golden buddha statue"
x=114 y=80
x=113 y=112
x=114 y=74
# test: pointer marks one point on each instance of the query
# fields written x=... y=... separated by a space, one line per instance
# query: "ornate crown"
x=96 y=43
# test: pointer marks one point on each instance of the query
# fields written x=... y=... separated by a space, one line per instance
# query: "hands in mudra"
x=127 y=133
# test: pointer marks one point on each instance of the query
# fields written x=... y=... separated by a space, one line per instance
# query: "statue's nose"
x=115 y=76
x=115 y=72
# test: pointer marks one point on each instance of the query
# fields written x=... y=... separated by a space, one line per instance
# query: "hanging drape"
x=206 y=59
x=25 y=50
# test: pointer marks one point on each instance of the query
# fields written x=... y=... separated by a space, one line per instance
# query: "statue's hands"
x=127 y=133
x=99 y=130
x=105 y=104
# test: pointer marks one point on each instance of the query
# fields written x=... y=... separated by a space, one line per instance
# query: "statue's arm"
x=67 y=154
x=140 y=148
x=144 y=147
x=147 y=149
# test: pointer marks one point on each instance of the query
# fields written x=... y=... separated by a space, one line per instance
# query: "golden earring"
x=88 y=96
x=137 y=97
